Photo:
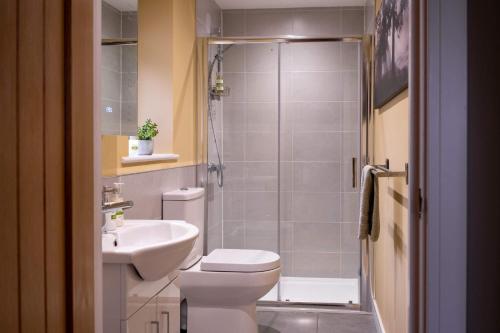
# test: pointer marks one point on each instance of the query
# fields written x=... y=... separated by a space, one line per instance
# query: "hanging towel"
x=368 y=215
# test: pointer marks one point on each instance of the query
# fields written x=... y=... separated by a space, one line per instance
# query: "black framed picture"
x=392 y=38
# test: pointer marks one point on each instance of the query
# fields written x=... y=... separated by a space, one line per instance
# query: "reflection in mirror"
x=119 y=68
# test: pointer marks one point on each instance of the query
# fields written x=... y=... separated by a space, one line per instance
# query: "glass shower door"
x=319 y=166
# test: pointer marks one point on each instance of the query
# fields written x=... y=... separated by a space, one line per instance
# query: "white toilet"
x=222 y=288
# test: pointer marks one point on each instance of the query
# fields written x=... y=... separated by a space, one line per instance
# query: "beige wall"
x=390 y=252
x=167 y=90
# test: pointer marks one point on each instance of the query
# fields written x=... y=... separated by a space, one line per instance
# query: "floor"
x=303 y=321
x=316 y=290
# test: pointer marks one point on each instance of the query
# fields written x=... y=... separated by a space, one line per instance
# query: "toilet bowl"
x=222 y=289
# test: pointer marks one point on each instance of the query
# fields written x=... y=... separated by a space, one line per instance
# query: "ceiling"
x=256 y=4
x=124 y=5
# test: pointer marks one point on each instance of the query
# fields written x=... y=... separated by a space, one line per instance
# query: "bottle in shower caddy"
x=219 y=84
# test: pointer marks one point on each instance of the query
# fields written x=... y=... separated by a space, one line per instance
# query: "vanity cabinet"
x=160 y=315
x=132 y=305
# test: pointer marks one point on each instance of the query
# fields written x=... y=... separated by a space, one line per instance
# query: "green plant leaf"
x=147 y=131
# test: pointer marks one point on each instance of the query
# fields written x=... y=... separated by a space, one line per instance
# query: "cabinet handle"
x=157 y=325
x=354 y=162
x=165 y=316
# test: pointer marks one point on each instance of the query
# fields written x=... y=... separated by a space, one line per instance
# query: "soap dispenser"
x=119 y=214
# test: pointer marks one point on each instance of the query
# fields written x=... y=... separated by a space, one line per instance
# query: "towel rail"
x=386 y=172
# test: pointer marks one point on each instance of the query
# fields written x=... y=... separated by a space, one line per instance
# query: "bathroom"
x=246 y=166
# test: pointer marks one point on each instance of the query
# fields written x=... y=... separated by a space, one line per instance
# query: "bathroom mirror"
x=119 y=68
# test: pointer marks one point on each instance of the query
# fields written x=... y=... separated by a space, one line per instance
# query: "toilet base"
x=205 y=319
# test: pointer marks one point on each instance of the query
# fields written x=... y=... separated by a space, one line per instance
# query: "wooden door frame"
x=47 y=201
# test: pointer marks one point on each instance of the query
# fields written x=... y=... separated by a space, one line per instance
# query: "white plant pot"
x=145 y=147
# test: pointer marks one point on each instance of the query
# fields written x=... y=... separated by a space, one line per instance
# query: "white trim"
x=378 y=319
x=149 y=158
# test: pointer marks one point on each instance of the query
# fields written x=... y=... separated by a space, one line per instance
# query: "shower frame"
x=366 y=143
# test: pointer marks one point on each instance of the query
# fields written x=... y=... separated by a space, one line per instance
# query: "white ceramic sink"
x=154 y=247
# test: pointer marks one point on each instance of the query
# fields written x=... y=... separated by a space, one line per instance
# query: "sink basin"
x=154 y=247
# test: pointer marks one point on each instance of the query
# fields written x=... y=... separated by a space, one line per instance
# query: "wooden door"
x=46 y=166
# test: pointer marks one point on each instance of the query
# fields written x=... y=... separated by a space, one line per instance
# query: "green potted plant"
x=145 y=135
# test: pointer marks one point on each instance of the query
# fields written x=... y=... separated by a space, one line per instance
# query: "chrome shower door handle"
x=354 y=163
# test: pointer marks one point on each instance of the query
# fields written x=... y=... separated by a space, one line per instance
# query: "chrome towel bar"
x=384 y=171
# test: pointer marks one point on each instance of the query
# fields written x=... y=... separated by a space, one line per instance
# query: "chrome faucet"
x=108 y=205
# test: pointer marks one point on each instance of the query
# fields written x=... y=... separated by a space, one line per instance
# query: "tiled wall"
x=208 y=18
x=119 y=73
x=319 y=137
x=146 y=189
x=309 y=22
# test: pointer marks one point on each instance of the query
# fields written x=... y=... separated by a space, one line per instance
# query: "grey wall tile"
x=110 y=116
x=261 y=176
x=234 y=146
x=316 y=116
x=268 y=22
x=261 y=235
x=208 y=18
x=110 y=84
x=261 y=146
x=350 y=265
x=350 y=207
x=234 y=60
x=353 y=21
x=261 y=58
x=234 y=206
x=233 y=22
x=316 y=56
x=234 y=176
x=317 y=22
x=350 y=86
x=129 y=58
x=261 y=206
x=234 y=117
x=317 y=146
x=316 y=207
x=129 y=24
x=316 y=177
x=316 y=237
x=129 y=87
x=129 y=118
x=310 y=264
x=111 y=21
x=350 y=56
x=350 y=116
x=236 y=82
x=111 y=58
x=262 y=116
x=261 y=87
x=348 y=238
x=234 y=234
x=316 y=86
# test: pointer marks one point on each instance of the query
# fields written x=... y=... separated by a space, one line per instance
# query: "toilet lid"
x=235 y=260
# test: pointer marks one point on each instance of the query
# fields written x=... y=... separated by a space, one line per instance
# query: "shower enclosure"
x=285 y=141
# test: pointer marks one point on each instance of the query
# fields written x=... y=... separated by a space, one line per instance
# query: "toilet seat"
x=238 y=260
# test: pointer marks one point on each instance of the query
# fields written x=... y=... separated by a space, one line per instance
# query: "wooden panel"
x=80 y=164
x=54 y=166
x=9 y=287
x=31 y=166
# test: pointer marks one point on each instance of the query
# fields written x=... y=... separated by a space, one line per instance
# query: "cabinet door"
x=169 y=309
x=145 y=320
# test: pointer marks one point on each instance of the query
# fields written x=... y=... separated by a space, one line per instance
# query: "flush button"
x=184 y=189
